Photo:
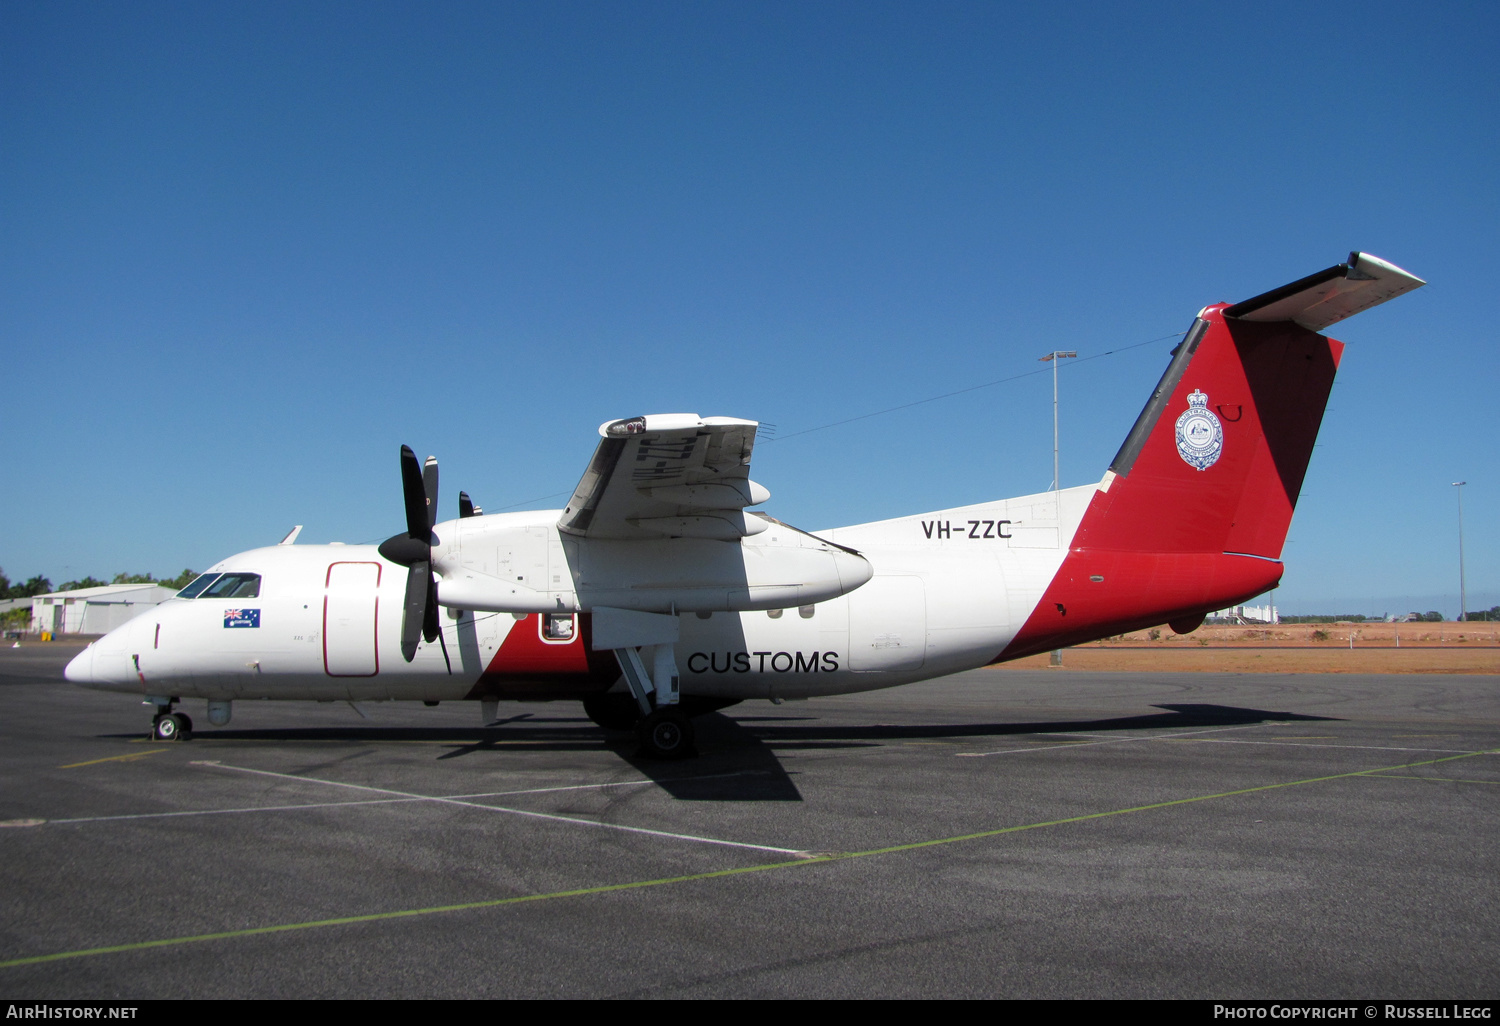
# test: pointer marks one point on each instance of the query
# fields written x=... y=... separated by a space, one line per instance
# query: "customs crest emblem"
x=1200 y=436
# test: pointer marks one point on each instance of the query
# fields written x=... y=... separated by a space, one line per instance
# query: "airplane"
x=658 y=593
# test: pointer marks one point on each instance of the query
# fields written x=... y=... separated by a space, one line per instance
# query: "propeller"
x=413 y=550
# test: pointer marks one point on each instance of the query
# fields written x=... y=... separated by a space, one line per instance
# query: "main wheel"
x=666 y=734
x=184 y=724
x=166 y=727
x=613 y=711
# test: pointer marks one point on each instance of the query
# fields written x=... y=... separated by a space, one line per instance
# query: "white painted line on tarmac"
x=612 y=783
x=367 y=801
x=497 y=808
x=1107 y=741
x=228 y=812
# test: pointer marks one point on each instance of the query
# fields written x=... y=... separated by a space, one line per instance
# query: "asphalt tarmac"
x=998 y=833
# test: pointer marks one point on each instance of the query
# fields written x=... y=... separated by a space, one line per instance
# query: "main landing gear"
x=651 y=708
x=666 y=734
x=167 y=725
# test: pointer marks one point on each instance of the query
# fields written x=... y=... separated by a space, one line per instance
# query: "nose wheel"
x=170 y=726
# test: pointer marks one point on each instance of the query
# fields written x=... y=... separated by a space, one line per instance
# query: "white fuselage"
x=950 y=590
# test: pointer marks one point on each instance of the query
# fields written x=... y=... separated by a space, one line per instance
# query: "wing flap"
x=1331 y=295
x=674 y=475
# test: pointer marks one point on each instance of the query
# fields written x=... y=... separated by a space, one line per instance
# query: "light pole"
x=1463 y=598
x=1054 y=357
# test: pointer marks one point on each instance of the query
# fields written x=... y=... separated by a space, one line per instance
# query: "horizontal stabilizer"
x=1329 y=296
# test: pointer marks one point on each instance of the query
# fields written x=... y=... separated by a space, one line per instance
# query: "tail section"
x=1195 y=508
x=1216 y=460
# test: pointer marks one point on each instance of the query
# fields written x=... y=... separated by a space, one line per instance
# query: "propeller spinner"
x=413 y=550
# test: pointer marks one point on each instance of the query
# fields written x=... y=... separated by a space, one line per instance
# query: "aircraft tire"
x=170 y=727
x=666 y=734
x=613 y=711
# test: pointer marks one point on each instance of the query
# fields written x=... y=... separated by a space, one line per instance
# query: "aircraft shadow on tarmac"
x=1176 y=717
x=739 y=760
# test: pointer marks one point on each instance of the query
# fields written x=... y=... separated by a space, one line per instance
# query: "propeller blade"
x=418 y=586
x=431 y=629
x=430 y=487
x=414 y=491
x=465 y=505
x=446 y=661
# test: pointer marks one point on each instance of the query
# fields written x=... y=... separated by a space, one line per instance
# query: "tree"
x=1432 y=616
x=87 y=582
x=38 y=585
x=124 y=578
x=35 y=586
x=180 y=581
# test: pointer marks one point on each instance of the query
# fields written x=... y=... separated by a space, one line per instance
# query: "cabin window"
x=557 y=626
x=233 y=586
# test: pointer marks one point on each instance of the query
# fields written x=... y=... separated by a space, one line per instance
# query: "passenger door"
x=351 y=600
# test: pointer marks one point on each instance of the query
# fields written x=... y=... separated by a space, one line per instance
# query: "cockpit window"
x=199 y=583
x=233 y=586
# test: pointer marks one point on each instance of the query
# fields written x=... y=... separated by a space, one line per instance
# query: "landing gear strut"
x=664 y=730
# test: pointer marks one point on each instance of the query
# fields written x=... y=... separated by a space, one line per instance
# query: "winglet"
x=1329 y=296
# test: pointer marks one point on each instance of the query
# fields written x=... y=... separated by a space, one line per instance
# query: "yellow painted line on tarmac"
x=805 y=859
x=1432 y=780
x=114 y=758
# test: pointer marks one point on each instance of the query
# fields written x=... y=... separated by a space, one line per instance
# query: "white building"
x=1248 y=614
x=94 y=610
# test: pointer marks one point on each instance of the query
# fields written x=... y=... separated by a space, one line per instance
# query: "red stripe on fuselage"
x=525 y=666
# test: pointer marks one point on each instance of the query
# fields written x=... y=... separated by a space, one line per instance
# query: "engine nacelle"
x=521 y=563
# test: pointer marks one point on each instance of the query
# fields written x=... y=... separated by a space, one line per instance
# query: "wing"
x=672 y=475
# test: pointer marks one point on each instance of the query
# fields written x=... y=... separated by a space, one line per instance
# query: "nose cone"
x=80 y=670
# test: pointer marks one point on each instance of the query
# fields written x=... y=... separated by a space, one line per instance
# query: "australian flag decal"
x=242 y=618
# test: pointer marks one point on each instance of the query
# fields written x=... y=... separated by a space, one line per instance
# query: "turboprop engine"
x=524 y=563
x=658 y=524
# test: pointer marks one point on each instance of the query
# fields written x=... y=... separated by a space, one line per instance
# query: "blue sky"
x=247 y=250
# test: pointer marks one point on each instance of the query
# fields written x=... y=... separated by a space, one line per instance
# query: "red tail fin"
x=1195 y=509
x=1216 y=460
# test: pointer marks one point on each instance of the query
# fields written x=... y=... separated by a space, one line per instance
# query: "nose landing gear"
x=167 y=725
